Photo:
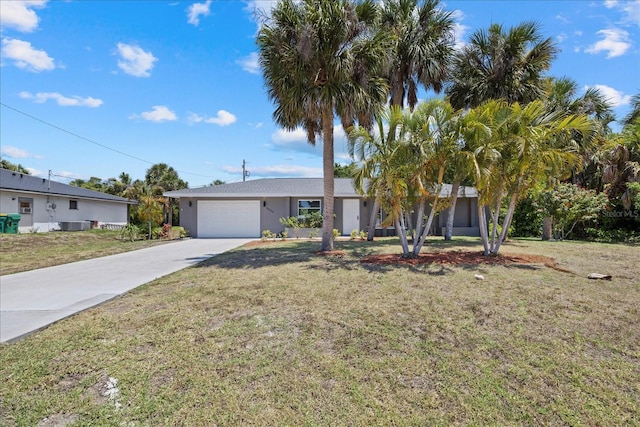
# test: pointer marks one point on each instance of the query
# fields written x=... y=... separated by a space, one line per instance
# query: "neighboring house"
x=245 y=209
x=43 y=204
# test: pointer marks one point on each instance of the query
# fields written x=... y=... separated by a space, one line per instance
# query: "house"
x=245 y=209
x=44 y=204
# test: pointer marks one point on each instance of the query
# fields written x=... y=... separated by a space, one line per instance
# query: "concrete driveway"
x=32 y=300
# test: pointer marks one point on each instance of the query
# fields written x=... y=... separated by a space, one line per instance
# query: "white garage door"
x=232 y=218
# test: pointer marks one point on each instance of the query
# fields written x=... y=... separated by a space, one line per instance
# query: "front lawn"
x=29 y=251
x=273 y=334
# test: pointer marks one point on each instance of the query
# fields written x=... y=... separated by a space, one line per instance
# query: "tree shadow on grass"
x=263 y=255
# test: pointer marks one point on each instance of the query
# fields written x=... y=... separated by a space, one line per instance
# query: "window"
x=25 y=206
x=73 y=204
x=306 y=207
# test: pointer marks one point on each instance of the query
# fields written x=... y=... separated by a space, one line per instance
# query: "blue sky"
x=96 y=88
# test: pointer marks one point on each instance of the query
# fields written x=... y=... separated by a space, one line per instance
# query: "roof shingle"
x=286 y=187
x=10 y=180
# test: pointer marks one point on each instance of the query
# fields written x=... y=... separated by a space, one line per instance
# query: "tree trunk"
x=327 y=171
x=546 y=228
x=397 y=91
x=419 y=217
x=425 y=231
x=482 y=222
x=409 y=225
x=507 y=222
x=403 y=238
x=373 y=220
x=495 y=219
x=452 y=210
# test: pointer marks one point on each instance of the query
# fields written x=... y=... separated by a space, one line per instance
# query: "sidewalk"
x=32 y=300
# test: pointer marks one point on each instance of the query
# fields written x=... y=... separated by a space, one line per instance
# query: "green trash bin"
x=3 y=220
x=11 y=223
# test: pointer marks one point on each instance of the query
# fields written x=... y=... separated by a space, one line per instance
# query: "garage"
x=229 y=218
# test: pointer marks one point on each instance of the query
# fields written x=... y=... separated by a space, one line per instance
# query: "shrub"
x=336 y=233
x=354 y=234
x=527 y=218
x=179 y=232
x=292 y=222
x=313 y=220
x=268 y=234
x=569 y=205
x=130 y=232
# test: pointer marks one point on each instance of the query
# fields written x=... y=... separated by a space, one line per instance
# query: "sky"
x=97 y=88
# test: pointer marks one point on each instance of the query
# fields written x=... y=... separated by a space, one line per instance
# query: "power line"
x=94 y=142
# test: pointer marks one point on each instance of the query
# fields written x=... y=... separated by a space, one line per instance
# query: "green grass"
x=23 y=252
x=276 y=335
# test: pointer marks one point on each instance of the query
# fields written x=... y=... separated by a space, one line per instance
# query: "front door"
x=350 y=216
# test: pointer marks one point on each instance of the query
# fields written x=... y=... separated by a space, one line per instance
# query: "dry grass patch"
x=24 y=252
x=276 y=335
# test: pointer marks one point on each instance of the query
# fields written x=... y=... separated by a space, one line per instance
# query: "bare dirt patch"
x=459 y=258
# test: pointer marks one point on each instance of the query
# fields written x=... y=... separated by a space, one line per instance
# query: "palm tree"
x=150 y=209
x=403 y=164
x=501 y=65
x=319 y=59
x=423 y=37
x=634 y=114
x=497 y=64
x=383 y=156
x=561 y=95
x=434 y=129
x=161 y=177
x=533 y=144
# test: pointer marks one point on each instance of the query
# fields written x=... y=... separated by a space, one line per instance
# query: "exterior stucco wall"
x=44 y=218
x=271 y=210
x=189 y=215
x=274 y=208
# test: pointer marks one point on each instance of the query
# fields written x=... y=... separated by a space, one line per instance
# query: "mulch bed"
x=459 y=257
x=446 y=257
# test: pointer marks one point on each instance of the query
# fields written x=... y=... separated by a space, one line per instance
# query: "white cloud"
x=222 y=118
x=296 y=140
x=25 y=56
x=158 y=114
x=632 y=11
x=20 y=14
x=610 y=3
x=615 y=42
x=277 y=171
x=14 y=152
x=135 y=61
x=196 y=10
x=459 y=29
x=614 y=97
x=284 y=137
x=64 y=101
x=260 y=9
x=250 y=63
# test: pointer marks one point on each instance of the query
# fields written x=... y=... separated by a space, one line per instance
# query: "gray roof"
x=16 y=181
x=286 y=187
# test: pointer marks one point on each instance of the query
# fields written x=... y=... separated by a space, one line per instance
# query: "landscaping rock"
x=598 y=276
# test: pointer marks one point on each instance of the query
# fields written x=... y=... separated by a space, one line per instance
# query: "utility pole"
x=245 y=172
